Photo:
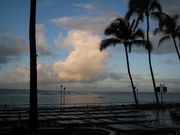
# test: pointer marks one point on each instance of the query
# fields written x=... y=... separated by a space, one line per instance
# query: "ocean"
x=52 y=97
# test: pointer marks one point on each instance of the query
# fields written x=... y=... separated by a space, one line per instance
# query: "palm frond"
x=128 y=14
x=137 y=23
x=117 y=28
x=139 y=33
x=132 y=24
x=163 y=39
x=108 y=42
x=154 y=5
x=159 y=16
x=139 y=42
x=148 y=46
x=110 y=29
x=132 y=4
x=159 y=30
x=178 y=27
x=140 y=17
x=175 y=17
x=178 y=35
x=121 y=22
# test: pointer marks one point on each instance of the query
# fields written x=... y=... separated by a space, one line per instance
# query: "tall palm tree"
x=121 y=32
x=33 y=67
x=145 y=8
x=170 y=27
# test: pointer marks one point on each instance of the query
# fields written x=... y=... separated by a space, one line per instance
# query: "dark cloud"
x=117 y=75
x=11 y=48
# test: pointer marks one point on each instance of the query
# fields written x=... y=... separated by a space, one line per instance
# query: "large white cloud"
x=85 y=63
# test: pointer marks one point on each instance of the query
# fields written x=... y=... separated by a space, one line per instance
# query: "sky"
x=68 y=34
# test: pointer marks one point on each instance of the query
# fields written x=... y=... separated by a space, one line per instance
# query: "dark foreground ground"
x=85 y=131
x=91 y=120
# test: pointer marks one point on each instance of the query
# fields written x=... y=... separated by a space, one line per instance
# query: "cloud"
x=11 y=48
x=87 y=6
x=21 y=75
x=97 y=25
x=167 y=62
x=85 y=63
x=93 y=24
x=46 y=74
x=170 y=6
x=117 y=75
x=18 y=75
x=42 y=48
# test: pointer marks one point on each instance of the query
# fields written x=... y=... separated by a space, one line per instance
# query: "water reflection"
x=83 y=98
x=163 y=116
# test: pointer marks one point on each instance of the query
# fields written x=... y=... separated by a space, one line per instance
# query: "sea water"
x=54 y=97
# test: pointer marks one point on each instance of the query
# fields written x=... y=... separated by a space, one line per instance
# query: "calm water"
x=19 y=97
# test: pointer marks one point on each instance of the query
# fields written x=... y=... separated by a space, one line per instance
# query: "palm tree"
x=145 y=8
x=121 y=32
x=170 y=27
x=33 y=67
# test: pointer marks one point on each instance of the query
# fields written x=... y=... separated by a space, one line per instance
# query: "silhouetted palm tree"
x=121 y=32
x=170 y=27
x=145 y=8
x=33 y=67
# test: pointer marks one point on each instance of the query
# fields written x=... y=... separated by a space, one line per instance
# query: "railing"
x=26 y=106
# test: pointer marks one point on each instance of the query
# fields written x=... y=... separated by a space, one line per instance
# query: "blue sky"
x=68 y=37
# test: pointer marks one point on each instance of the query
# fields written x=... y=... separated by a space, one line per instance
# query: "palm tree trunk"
x=129 y=72
x=150 y=65
x=175 y=45
x=152 y=75
x=33 y=67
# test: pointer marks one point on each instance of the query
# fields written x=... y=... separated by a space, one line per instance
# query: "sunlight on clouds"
x=46 y=74
x=85 y=63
